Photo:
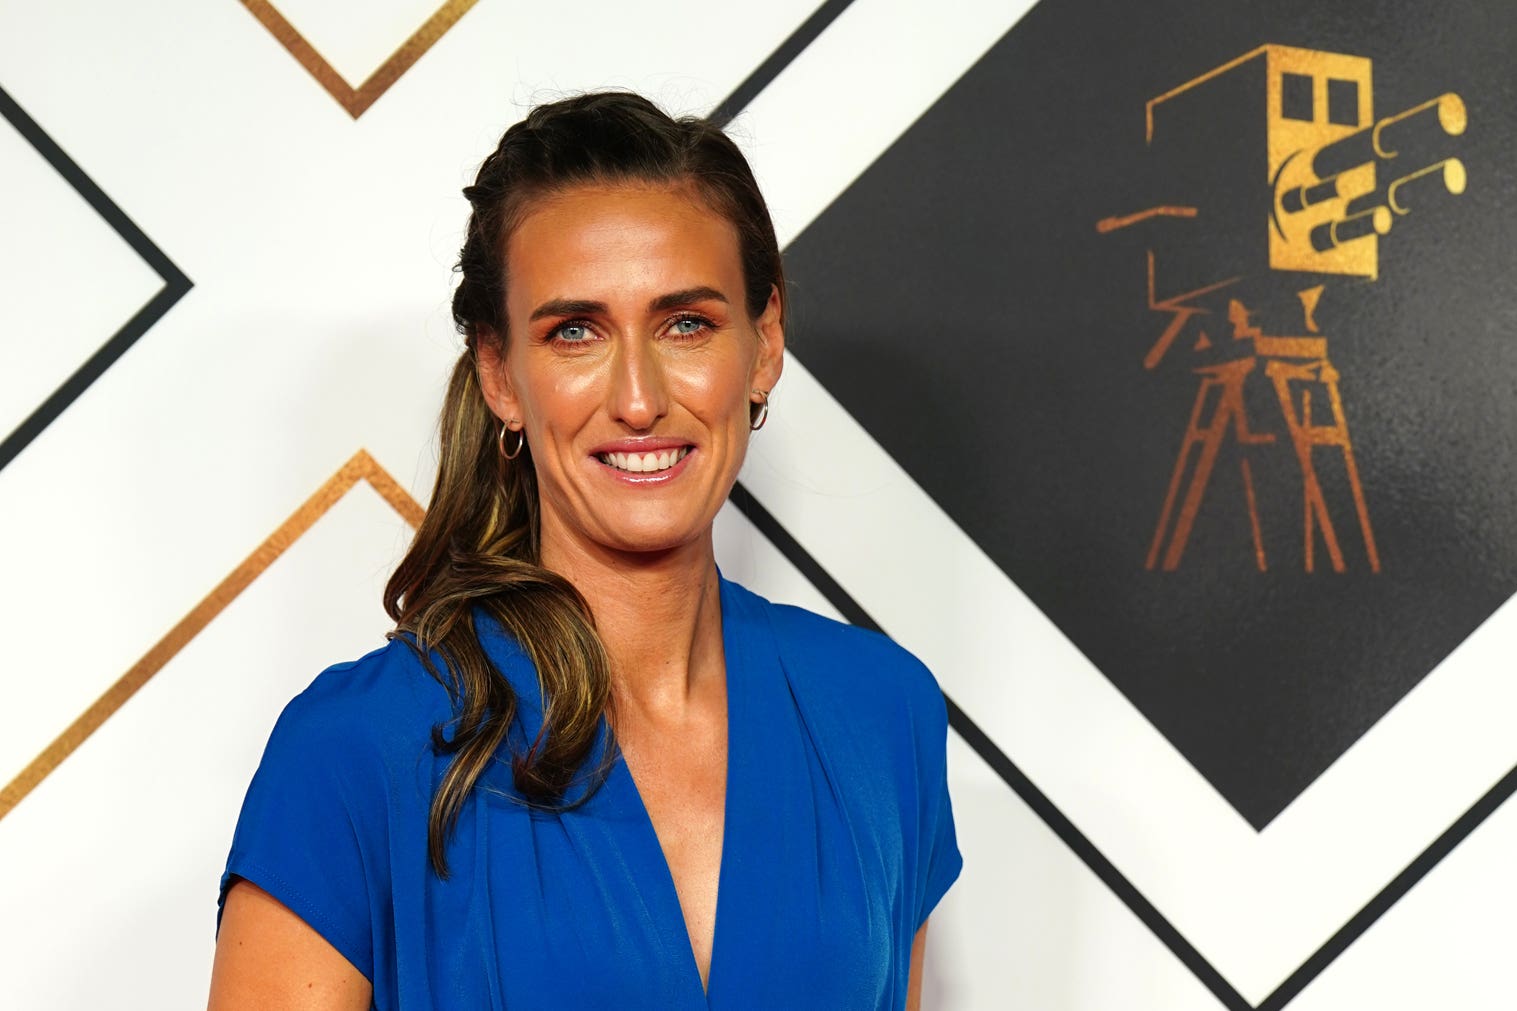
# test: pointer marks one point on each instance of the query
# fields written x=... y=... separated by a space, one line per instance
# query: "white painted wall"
x=320 y=248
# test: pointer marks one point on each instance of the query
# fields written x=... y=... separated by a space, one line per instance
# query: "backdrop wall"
x=1151 y=378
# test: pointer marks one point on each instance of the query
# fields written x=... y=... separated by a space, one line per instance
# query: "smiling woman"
x=587 y=771
x=633 y=367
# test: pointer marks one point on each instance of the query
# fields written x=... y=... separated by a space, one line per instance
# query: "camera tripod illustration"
x=1320 y=218
x=1289 y=364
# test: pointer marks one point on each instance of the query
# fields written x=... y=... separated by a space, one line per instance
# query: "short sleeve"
x=311 y=831
x=939 y=863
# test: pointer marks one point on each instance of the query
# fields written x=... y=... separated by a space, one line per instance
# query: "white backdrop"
x=319 y=247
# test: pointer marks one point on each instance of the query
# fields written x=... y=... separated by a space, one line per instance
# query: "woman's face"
x=630 y=364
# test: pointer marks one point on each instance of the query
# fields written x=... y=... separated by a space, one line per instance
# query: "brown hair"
x=478 y=544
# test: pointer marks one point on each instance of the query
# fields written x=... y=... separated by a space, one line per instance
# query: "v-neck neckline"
x=734 y=658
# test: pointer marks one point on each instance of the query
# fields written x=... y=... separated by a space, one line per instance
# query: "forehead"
x=591 y=241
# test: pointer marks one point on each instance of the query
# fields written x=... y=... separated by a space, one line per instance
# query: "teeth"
x=644 y=463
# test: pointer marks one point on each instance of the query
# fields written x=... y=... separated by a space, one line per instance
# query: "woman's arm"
x=914 y=981
x=267 y=957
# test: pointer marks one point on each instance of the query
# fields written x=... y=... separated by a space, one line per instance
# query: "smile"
x=644 y=463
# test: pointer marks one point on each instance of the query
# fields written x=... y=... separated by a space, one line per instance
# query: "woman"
x=581 y=744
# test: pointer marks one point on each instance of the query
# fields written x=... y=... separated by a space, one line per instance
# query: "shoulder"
x=390 y=700
x=348 y=759
x=358 y=713
x=862 y=667
x=389 y=682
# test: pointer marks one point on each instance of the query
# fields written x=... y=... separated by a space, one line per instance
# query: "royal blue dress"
x=838 y=839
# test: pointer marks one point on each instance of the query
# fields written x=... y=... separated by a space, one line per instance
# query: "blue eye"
x=572 y=333
x=689 y=326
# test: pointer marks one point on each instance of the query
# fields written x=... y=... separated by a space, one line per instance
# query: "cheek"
x=715 y=391
x=561 y=400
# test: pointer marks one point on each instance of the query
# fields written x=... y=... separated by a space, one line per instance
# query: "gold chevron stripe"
x=361 y=467
x=357 y=100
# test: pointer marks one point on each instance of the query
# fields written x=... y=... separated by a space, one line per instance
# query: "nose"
x=639 y=393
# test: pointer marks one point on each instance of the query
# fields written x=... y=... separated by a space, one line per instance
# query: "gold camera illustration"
x=1285 y=183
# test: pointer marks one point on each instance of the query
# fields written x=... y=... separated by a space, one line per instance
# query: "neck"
x=658 y=614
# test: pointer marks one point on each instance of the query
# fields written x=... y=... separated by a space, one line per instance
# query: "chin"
x=655 y=535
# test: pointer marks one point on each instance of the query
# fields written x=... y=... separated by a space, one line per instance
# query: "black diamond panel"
x=960 y=302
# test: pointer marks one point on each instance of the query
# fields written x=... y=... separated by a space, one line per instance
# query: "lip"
x=641 y=444
x=645 y=478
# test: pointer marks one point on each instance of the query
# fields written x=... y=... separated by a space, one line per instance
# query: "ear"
x=494 y=381
x=771 y=351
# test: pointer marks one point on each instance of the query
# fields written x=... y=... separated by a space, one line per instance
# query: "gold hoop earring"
x=756 y=420
x=500 y=441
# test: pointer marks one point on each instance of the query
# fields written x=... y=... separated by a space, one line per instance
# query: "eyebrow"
x=584 y=307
